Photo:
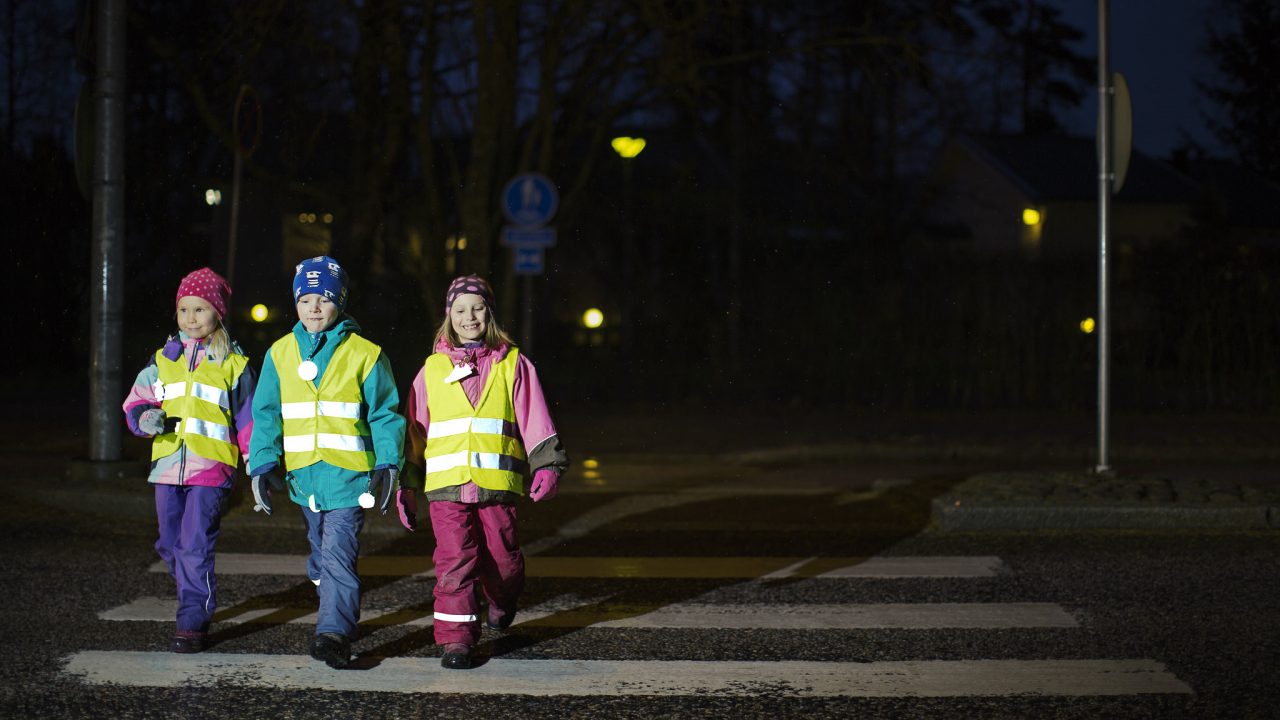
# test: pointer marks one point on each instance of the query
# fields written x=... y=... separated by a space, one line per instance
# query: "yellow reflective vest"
x=202 y=398
x=325 y=423
x=479 y=444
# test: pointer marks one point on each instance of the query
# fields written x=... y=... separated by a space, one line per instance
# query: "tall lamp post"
x=1115 y=141
x=108 y=232
x=1104 y=230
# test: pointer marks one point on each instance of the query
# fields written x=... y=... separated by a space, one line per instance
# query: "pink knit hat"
x=207 y=285
x=468 y=284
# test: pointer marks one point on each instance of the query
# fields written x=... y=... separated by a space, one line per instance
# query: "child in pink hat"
x=194 y=398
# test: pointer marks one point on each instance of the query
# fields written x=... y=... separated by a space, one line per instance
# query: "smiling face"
x=196 y=317
x=469 y=317
x=316 y=312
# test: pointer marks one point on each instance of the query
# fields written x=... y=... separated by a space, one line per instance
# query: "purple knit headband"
x=467 y=284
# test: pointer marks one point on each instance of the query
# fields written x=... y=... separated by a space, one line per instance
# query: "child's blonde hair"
x=494 y=335
x=218 y=344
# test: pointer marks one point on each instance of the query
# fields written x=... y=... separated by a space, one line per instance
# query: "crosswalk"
x=757 y=600
x=727 y=677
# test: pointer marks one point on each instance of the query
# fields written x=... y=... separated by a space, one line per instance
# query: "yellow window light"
x=627 y=147
x=1032 y=217
x=259 y=313
x=592 y=318
x=1087 y=325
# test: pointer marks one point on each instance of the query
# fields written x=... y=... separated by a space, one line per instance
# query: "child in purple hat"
x=479 y=429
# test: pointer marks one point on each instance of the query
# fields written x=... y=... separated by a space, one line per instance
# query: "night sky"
x=1159 y=48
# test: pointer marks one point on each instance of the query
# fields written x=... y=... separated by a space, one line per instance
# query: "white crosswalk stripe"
x=647 y=567
x=904 y=616
x=927 y=678
x=154 y=609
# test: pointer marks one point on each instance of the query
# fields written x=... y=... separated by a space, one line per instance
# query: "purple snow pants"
x=474 y=543
x=190 y=517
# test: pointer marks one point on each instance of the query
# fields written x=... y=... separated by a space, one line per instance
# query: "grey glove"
x=151 y=421
x=262 y=486
x=382 y=486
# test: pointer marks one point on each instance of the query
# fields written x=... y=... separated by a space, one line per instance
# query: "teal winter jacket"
x=322 y=486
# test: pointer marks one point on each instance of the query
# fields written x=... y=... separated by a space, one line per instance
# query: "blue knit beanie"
x=321 y=275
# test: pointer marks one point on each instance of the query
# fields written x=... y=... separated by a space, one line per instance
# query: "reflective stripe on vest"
x=201 y=397
x=480 y=444
x=208 y=393
x=324 y=423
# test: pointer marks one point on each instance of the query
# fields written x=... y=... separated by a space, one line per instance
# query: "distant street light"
x=1032 y=217
x=259 y=313
x=627 y=147
x=1087 y=325
x=212 y=196
x=592 y=318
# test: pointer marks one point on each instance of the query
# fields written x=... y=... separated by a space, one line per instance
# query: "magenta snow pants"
x=474 y=543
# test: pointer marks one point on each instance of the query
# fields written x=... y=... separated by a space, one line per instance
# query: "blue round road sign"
x=530 y=199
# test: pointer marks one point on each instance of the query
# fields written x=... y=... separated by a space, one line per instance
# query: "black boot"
x=501 y=623
x=333 y=649
x=187 y=642
x=457 y=656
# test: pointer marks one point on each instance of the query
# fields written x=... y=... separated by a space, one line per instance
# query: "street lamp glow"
x=592 y=318
x=627 y=147
x=1087 y=325
x=1032 y=217
x=259 y=313
x=212 y=196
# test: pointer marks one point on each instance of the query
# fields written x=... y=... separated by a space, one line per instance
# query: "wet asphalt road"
x=1203 y=604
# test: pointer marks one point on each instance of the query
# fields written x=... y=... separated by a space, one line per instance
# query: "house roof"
x=1063 y=167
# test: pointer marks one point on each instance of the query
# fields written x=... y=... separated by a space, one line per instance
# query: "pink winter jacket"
x=533 y=418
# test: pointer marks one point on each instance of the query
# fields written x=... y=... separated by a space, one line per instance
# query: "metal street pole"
x=528 y=314
x=1105 y=180
x=107 y=282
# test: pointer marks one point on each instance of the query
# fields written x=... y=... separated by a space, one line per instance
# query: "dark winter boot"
x=333 y=649
x=187 y=642
x=457 y=656
x=497 y=621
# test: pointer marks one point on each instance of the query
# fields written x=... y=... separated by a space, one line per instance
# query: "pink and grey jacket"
x=182 y=467
x=537 y=431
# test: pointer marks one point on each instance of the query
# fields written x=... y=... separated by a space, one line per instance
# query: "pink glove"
x=544 y=485
x=407 y=506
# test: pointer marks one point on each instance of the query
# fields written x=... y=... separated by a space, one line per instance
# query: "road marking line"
x=566 y=612
x=499 y=676
x=156 y=609
x=607 y=514
x=769 y=568
x=902 y=616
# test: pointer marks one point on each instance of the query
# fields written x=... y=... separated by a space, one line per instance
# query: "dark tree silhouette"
x=1246 y=50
